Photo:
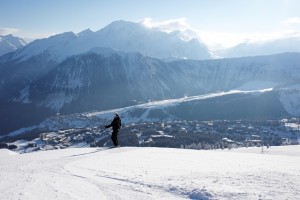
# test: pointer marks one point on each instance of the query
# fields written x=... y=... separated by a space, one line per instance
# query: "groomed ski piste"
x=151 y=173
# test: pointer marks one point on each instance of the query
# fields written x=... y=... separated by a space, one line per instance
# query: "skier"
x=116 y=125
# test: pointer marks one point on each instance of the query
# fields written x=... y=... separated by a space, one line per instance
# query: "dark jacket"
x=115 y=124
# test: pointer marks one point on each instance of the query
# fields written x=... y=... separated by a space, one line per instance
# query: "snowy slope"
x=151 y=173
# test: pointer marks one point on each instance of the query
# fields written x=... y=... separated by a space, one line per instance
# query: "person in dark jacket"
x=116 y=125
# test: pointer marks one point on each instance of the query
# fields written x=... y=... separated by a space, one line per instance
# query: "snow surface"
x=151 y=173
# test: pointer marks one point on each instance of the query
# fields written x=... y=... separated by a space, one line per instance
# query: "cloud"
x=6 y=31
x=167 y=25
x=221 y=40
x=292 y=20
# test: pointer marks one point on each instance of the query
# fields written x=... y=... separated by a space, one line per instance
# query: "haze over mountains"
x=126 y=63
x=262 y=48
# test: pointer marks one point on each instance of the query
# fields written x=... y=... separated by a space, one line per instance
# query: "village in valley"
x=215 y=134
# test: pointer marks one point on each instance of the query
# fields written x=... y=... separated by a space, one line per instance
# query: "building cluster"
x=176 y=134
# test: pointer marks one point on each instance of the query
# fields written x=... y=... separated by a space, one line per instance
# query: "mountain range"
x=291 y=44
x=126 y=64
x=136 y=37
x=120 y=35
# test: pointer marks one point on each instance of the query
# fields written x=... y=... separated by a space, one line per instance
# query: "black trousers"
x=114 y=137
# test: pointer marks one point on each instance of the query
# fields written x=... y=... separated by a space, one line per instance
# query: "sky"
x=219 y=23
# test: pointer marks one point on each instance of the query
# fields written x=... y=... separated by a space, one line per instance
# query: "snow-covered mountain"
x=262 y=48
x=10 y=43
x=121 y=35
x=151 y=173
x=130 y=36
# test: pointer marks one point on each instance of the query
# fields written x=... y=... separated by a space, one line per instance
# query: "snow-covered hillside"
x=151 y=173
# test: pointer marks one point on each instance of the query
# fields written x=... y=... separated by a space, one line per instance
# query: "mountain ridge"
x=10 y=43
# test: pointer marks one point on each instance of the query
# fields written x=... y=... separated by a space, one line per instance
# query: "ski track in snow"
x=151 y=173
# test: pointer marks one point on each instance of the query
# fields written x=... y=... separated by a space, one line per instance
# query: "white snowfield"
x=151 y=173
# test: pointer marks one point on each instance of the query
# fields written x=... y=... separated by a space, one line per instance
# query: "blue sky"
x=218 y=22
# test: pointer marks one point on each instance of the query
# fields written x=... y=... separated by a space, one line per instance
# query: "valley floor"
x=151 y=173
